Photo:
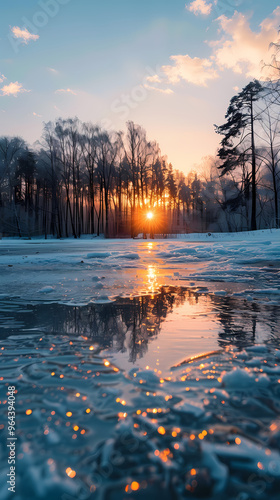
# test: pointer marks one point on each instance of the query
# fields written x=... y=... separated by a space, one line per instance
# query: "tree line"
x=80 y=179
x=84 y=180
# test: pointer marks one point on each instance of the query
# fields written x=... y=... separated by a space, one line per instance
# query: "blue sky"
x=109 y=61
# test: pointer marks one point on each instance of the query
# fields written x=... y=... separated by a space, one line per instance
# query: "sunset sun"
x=150 y=215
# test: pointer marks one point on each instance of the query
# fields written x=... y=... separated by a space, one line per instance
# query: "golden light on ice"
x=151 y=280
x=71 y=473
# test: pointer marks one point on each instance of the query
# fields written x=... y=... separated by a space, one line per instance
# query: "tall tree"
x=238 y=143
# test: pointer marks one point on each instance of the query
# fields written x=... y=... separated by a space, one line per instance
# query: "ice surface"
x=70 y=270
x=90 y=423
x=113 y=427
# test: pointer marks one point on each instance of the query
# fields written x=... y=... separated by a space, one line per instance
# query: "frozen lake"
x=143 y=369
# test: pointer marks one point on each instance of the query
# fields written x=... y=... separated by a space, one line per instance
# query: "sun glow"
x=150 y=215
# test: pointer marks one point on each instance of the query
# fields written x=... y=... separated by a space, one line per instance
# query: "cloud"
x=36 y=114
x=192 y=70
x=65 y=91
x=238 y=48
x=153 y=79
x=2 y=78
x=242 y=50
x=200 y=7
x=24 y=35
x=52 y=70
x=13 y=88
x=157 y=89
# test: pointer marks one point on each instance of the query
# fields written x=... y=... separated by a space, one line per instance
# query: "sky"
x=170 y=66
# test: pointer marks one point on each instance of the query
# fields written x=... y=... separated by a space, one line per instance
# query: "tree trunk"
x=254 y=186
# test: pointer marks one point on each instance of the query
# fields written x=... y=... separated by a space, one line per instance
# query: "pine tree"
x=238 y=143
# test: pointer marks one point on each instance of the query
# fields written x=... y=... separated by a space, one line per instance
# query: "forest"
x=79 y=179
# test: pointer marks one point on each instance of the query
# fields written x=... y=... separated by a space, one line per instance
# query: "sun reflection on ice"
x=152 y=281
x=150 y=247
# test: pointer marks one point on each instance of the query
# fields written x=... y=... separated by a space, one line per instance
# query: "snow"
x=193 y=411
x=47 y=289
x=98 y=255
x=240 y=378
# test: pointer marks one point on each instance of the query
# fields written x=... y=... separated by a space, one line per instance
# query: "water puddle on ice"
x=112 y=403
